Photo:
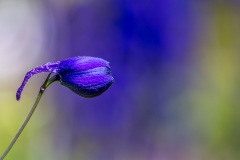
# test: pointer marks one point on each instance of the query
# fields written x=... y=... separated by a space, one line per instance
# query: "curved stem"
x=40 y=93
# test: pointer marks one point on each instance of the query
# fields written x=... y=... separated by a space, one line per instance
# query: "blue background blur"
x=176 y=70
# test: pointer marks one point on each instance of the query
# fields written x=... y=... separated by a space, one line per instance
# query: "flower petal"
x=47 y=67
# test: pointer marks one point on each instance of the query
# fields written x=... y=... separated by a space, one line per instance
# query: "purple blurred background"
x=175 y=65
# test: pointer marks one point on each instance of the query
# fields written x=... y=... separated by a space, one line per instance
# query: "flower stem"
x=47 y=82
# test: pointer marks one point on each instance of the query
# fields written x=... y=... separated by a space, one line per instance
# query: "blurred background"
x=176 y=69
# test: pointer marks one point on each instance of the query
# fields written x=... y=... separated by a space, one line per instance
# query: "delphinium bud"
x=84 y=75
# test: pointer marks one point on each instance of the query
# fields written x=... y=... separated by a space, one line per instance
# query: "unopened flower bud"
x=86 y=76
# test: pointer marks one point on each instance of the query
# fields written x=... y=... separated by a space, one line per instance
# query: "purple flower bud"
x=86 y=76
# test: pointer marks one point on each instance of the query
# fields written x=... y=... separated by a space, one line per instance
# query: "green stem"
x=40 y=93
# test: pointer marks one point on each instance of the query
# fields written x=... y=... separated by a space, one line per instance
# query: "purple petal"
x=47 y=67
x=87 y=86
x=88 y=83
x=81 y=63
